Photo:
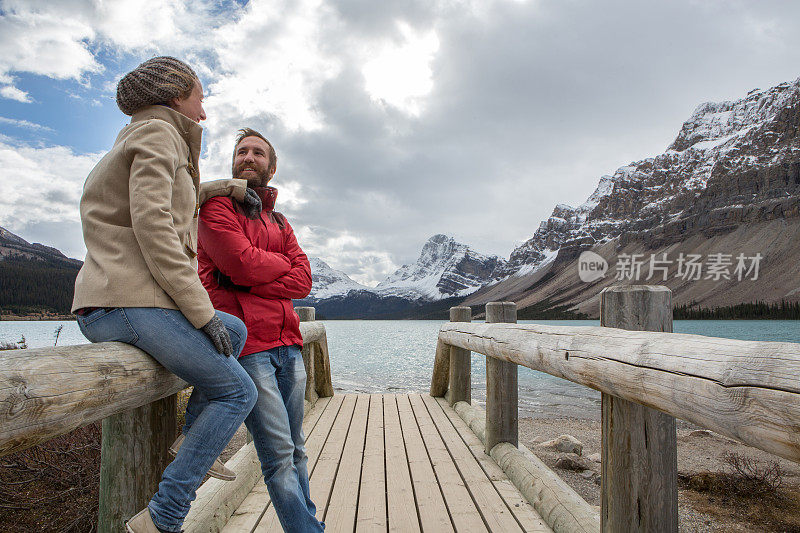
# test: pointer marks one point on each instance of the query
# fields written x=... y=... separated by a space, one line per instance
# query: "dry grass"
x=19 y=345
x=750 y=492
x=52 y=487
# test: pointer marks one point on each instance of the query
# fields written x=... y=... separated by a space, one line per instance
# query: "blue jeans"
x=276 y=423
x=228 y=392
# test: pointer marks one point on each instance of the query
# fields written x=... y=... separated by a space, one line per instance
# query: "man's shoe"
x=218 y=470
x=141 y=522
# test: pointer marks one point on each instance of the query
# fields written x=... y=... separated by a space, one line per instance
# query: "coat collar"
x=190 y=130
x=268 y=196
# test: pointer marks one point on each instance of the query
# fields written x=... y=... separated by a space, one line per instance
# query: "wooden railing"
x=746 y=390
x=46 y=392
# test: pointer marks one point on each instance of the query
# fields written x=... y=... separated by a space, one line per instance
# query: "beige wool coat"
x=139 y=215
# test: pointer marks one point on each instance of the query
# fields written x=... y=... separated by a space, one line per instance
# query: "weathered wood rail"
x=746 y=390
x=47 y=392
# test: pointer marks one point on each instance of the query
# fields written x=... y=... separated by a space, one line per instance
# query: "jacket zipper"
x=283 y=322
x=283 y=309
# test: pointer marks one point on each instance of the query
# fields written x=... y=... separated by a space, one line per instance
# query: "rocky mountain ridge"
x=731 y=163
x=15 y=247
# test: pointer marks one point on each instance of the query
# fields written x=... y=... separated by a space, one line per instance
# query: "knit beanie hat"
x=156 y=81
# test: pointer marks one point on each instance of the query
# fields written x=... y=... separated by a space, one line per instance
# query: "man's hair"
x=250 y=132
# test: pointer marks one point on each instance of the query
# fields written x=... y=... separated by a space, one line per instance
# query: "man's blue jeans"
x=276 y=423
x=227 y=391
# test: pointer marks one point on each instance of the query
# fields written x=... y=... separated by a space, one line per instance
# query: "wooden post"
x=307 y=314
x=460 y=387
x=133 y=456
x=501 y=386
x=639 y=487
x=440 y=377
x=323 y=384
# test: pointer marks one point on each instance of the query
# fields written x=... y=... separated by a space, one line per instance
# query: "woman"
x=139 y=283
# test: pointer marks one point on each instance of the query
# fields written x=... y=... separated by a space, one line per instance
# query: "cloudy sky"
x=393 y=120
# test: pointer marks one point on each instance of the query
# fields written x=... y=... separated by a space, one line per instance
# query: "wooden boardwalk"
x=396 y=463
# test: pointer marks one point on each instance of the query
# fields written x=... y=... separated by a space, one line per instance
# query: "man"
x=252 y=267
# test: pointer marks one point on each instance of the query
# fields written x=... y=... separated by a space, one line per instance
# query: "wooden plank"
x=252 y=508
x=340 y=515
x=521 y=508
x=314 y=447
x=250 y=511
x=433 y=512
x=746 y=390
x=402 y=509
x=317 y=439
x=555 y=501
x=491 y=506
x=324 y=473
x=371 y=517
x=639 y=489
x=464 y=514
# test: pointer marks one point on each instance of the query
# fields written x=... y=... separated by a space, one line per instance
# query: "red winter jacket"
x=257 y=255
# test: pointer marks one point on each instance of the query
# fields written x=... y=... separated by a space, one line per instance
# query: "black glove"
x=226 y=282
x=251 y=203
x=218 y=334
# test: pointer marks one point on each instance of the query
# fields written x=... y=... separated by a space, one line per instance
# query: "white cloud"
x=12 y=93
x=272 y=63
x=365 y=262
x=60 y=39
x=132 y=24
x=24 y=124
x=291 y=194
x=43 y=42
x=400 y=74
x=41 y=184
x=271 y=66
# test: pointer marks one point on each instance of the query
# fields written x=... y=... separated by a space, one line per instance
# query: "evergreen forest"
x=35 y=286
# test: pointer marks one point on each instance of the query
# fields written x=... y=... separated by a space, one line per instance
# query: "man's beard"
x=260 y=180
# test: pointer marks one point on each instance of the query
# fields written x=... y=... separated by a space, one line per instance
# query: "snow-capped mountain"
x=445 y=268
x=731 y=163
x=328 y=282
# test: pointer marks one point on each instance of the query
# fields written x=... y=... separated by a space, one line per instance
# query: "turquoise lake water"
x=397 y=356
